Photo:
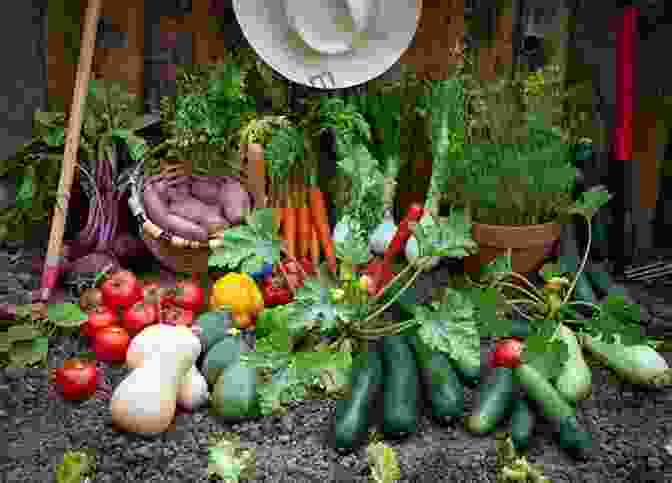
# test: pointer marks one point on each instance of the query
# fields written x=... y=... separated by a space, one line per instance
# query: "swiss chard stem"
x=532 y=295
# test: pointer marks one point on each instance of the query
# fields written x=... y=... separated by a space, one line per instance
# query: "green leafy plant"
x=25 y=342
x=76 y=466
x=383 y=463
x=205 y=117
x=513 y=467
x=228 y=460
x=548 y=308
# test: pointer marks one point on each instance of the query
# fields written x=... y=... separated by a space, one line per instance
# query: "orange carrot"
x=278 y=214
x=318 y=209
x=314 y=246
x=304 y=227
x=289 y=220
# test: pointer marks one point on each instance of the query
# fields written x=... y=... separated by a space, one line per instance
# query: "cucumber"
x=572 y=437
x=523 y=420
x=469 y=371
x=352 y=416
x=234 y=397
x=222 y=355
x=493 y=403
x=401 y=387
x=575 y=380
x=442 y=386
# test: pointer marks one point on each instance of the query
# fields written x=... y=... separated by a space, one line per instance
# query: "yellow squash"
x=238 y=293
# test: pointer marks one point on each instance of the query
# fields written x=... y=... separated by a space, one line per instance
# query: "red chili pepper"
x=398 y=243
x=307 y=265
x=377 y=269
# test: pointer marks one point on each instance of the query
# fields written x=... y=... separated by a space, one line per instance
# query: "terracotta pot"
x=530 y=245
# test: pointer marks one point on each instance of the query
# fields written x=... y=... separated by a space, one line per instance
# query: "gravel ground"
x=630 y=427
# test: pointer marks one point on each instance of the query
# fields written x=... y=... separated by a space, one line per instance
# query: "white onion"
x=383 y=234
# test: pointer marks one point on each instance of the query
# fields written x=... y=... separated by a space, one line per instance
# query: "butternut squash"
x=145 y=402
x=192 y=392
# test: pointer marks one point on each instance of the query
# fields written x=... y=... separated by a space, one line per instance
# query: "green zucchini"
x=234 y=397
x=469 y=371
x=575 y=380
x=213 y=327
x=523 y=420
x=401 y=387
x=493 y=403
x=352 y=416
x=572 y=437
x=442 y=386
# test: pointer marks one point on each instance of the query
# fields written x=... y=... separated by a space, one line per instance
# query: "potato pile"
x=196 y=207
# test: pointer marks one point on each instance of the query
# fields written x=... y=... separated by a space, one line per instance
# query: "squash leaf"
x=451 y=326
x=383 y=463
x=617 y=317
x=590 y=202
x=249 y=247
x=451 y=237
x=66 y=315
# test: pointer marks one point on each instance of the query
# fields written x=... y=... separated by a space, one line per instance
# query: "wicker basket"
x=174 y=252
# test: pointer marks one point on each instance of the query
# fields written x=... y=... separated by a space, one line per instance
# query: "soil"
x=632 y=428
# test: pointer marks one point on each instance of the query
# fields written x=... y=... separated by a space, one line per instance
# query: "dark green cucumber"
x=523 y=419
x=352 y=416
x=469 y=371
x=442 y=385
x=572 y=437
x=493 y=403
x=401 y=387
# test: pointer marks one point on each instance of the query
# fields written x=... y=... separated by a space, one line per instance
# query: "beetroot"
x=234 y=201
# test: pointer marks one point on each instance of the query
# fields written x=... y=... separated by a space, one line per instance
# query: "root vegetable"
x=206 y=190
x=155 y=207
x=234 y=201
x=198 y=212
x=183 y=227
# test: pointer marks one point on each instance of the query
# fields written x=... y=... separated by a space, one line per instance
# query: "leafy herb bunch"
x=517 y=153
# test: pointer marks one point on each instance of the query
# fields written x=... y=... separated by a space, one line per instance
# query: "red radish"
x=139 y=316
x=188 y=295
x=99 y=318
x=507 y=353
x=121 y=289
x=111 y=343
x=76 y=379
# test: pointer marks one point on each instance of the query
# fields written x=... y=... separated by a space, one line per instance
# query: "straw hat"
x=329 y=44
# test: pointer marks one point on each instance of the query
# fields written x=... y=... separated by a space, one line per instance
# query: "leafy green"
x=248 y=247
x=383 y=463
x=547 y=354
x=313 y=304
x=451 y=326
x=590 y=202
x=451 y=237
x=285 y=149
x=617 y=318
x=354 y=249
x=76 y=465
x=66 y=315
x=496 y=268
x=291 y=373
x=229 y=461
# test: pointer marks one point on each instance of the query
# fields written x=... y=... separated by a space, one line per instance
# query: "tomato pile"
x=120 y=308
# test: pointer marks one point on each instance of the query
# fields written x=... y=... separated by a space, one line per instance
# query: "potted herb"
x=511 y=163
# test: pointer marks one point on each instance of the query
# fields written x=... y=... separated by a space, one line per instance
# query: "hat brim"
x=266 y=28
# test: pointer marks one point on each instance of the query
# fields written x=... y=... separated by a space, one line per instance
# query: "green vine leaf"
x=617 y=319
x=66 y=315
x=28 y=353
x=449 y=237
x=590 y=202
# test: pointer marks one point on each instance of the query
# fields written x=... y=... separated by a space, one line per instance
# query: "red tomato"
x=76 y=380
x=176 y=315
x=153 y=293
x=121 y=289
x=111 y=343
x=139 y=316
x=507 y=353
x=99 y=318
x=188 y=295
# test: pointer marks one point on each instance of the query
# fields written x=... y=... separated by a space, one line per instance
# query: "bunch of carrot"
x=301 y=215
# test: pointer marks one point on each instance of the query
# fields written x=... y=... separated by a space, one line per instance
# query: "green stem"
x=383 y=331
x=583 y=304
x=392 y=282
x=521 y=278
x=583 y=262
x=382 y=309
x=535 y=297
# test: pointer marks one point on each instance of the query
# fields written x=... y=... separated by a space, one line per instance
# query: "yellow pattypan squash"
x=238 y=293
